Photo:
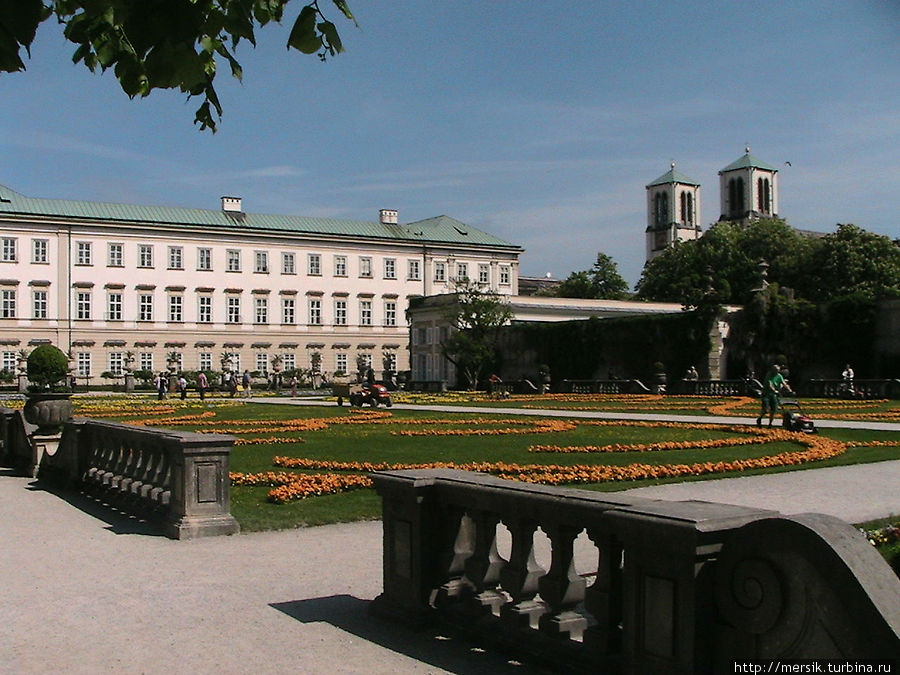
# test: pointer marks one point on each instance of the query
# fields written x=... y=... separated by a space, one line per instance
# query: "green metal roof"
x=748 y=161
x=439 y=230
x=673 y=176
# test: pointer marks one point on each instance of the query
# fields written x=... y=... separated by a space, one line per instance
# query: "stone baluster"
x=459 y=542
x=561 y=588
x=603 y=598
x=520 y=576
x=484 y=565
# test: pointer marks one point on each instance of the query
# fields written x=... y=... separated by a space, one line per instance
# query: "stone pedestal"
x=42 y=445
x=129 y=383
x=23 y=383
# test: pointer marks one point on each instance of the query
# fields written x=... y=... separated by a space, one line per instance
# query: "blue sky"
x=539 y=122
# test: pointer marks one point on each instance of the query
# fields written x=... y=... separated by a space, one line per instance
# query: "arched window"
x=687 y=208
x=661 y=208
x=736 y=196
x=767 y=196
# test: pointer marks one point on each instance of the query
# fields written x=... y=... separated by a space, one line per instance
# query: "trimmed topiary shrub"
x=48 y=367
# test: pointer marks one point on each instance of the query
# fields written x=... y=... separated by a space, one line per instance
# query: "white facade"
x=100 y=281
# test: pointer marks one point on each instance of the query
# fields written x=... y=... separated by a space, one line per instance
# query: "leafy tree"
x=475 y=318
x=163 y=44
x=724 y=263
x=601 y=281
x=852 y=261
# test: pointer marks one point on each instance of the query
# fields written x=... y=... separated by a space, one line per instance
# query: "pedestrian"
x=245 y=382
x=293 y=386
x=202 y=384
x=848 y=376
x=161 y=386
x=182 y=386
x=773 y=384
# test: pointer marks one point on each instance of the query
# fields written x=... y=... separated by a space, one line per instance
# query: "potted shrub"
x=48 y=403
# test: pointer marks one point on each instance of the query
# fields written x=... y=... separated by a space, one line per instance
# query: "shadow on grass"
x=428 y=644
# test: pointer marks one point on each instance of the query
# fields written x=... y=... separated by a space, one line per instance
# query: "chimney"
x=388 y=216
x=232 y=205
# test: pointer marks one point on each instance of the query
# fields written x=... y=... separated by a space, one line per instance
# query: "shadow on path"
x=428 y=644
x=117 y=520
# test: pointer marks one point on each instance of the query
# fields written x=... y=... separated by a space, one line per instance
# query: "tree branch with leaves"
x=475 y=317
x=164 y=44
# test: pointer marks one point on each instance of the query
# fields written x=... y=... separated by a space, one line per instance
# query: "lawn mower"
x=794 y=419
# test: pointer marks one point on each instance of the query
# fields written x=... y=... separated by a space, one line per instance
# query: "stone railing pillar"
x=412 y=534
x=666 y=587
x=201 y=495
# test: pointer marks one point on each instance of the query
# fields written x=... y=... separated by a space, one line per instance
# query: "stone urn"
x=49 y=411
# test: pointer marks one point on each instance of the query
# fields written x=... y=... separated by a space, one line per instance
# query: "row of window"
x=84 y=309
x=145 y=361
x=175 y=260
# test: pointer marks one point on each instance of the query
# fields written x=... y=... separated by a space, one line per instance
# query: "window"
x=686 y=200
x=390 y=268
x=289 y=361
x=261 y=262
x=114 y=307
x=39 y=304
x=116 y=361
x=176 y=258
x=204 y=309
x=235 y=362
x=146 y=361
x=462 y=271
x=233 y=260
x=365 y=312
x=145 y=255
x=234 y=309
x=8 y=249
x=84 y=364
x=39 y=251
x=204 y=259
x=83 y=305
x=288 y=311
x=413 y=270
x=262 y=362
x=176 y=308
x=261 y=310
x=205 y=361
x=484 y=274
x=315 y=312
x=440 y=271
x=340 y=265
x=365 y=267
x=390 y=313
x=390 y=360
x=660 y=208
x=83 y=253
x=505 y=278
x=365 y=360
x=9 y=362
x=8 y=304
x=314 y=264
x=340 y=362
x=340 y=312
x=145 y=307
x=114 y=255
x=288 y=263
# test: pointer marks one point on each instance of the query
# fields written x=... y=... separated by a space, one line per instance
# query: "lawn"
x=593 y=454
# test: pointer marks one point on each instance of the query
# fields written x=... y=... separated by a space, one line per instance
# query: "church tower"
x=673 y=211
x=748 y=190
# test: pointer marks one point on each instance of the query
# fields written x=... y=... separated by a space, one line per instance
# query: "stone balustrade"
x=179 y=478
x=858 y=389
x=675 y=587
x=603 y=387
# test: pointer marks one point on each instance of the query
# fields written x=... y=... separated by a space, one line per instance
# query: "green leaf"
x=303 y=35
x=332 y=40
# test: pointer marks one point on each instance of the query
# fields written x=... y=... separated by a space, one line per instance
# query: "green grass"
x=376 y=443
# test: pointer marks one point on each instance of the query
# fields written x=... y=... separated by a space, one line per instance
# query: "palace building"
x=114 y=282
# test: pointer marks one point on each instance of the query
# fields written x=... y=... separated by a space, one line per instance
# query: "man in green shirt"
x=773 y=383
